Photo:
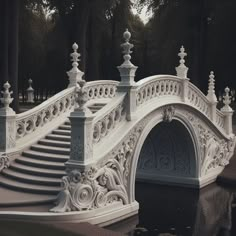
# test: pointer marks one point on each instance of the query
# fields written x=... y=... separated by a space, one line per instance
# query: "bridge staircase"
x=35 y=174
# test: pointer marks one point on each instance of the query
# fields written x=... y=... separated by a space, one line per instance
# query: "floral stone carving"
x=168 y=113
x=100 y=186
x=4 y=161
x=91 y=189
x=215 y=152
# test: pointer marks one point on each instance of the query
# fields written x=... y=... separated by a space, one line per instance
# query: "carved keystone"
x=168 y=113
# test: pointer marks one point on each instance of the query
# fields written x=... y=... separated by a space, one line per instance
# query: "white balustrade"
x=158 y=86
x=220 y=119
x=198 y=100
x=109 y=119
x=33 y=119
x=101 y=89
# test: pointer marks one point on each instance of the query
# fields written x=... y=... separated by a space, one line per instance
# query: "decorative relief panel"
x=101 y=185
x=147 y=159
x=215 y=151
x=165 y=150
x=11 y=134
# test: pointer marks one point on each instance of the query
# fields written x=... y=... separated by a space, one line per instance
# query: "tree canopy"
x=48 y=28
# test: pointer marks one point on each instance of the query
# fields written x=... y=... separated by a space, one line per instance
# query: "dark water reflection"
x=181 y=211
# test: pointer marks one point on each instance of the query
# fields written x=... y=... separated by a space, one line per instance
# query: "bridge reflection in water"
x=182 y=211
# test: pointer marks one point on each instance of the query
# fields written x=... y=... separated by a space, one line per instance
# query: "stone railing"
x=108 y=118
x=31 y=120
x=157 y=86
x=198 y=100
x=61 y=103
x=220 y=119
x=101 y=89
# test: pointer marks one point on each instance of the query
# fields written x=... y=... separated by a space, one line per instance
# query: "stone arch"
x=157 y=122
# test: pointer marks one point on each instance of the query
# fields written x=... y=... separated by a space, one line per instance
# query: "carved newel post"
x=182 y=71
x=81 y=131
x=127 y=73
x=211 y=96
x=227 y=111
x=74 y=74
x=30 y=92
x=7 y=121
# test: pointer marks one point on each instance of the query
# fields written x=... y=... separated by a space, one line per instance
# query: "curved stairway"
x=39 y=169
x=34 y=177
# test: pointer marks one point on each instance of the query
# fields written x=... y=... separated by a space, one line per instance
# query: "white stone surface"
x=162 y=128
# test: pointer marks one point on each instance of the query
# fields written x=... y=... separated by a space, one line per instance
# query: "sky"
x=143 y=14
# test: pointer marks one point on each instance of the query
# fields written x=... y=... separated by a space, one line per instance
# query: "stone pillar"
x=127 y=73
x=74 y=74
x=211 y=96
x=228 y=112
x=81 y=132
x=7 y=121
x=181 y=71
x=30 y=92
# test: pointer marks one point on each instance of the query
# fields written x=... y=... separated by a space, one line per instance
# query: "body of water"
x=166 y=211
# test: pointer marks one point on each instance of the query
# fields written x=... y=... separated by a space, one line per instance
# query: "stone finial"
x=127 y=69
x=211 y=88
x=30 y=92
x=127 y=46
x=81 y=97
x=6 y=99
x=182 y=70
x=226 y=101
x=30 y=81
x=74 y=74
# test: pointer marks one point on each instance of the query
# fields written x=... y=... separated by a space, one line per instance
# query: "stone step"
x=67 y=122
x=31 y=179
x=49 y=149
x=28 y=188
x=45 y=156
x=54 y=143
x=40 y=163
x=62 y=132
x=58 y=137
x=36 y=171
x=65 y=127
x=14 y=198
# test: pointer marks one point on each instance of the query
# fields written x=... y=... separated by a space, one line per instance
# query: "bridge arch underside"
x=168 y=155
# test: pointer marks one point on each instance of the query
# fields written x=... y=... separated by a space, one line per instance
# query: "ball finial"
x=127 y=35
x=75 y=46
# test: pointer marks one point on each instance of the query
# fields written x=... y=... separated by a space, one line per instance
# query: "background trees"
x=47 y=29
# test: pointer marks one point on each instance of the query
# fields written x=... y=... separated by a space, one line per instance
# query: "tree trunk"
x=13 y=15
x=3 y=41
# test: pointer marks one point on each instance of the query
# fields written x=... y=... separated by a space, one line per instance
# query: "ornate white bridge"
x=161 y=129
